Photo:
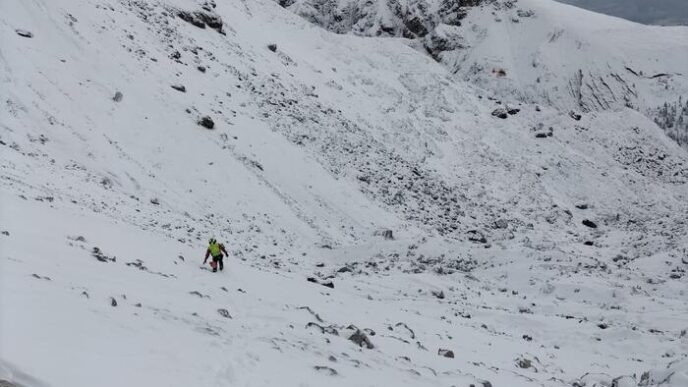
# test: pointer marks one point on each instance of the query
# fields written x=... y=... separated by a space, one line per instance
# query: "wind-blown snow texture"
x=547 y=248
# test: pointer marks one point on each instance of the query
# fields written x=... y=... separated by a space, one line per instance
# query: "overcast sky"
x=663 y=12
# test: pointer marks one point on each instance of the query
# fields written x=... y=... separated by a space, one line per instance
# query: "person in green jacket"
x=215 y=250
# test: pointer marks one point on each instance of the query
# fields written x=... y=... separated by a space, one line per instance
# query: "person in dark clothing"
x=215 y=250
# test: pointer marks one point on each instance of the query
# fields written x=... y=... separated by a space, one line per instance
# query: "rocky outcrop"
x=393 y=18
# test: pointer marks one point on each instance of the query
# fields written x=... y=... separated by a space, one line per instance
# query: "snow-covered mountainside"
x=534 y=51
x=391 y=219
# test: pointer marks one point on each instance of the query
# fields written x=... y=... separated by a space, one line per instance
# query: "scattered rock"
x=155 y=201
x=224 y=313
x=575 y=115
x=257 y=165
x=118 y=96
x=501 y=224
x=328 y=283
x=476 y=236
x=544 y=134
x=191 y=18
x=446 y=353
x=386 y=234
x=437 y=294
x=201 y=69
x=181 y=88
x=524 y=363
x=113 y=302
x=272 y=47
x=213 y=20
x=582 y=206
x=513 y=111
x=202 y=18
x=206 y=122
x=602 y=326
x=589 y=223
x=360 y=338
x=500 y=113
x=99 y=255
x=330 y=371
x=6 y=233
x=24 y=33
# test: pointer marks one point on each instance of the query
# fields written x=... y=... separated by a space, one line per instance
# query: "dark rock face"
x=589 y=223
x=206 y=122
x=99 y=255
x=476 y=236
x=501 y=224
x=413 y=19
x=386 y=234
x=500 y=113
x=328 y=284
x=202 y=18
x=446 y=353
x=361 y=339
x=24 y=33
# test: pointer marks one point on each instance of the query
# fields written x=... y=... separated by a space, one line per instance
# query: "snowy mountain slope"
x=564 y=56
x=320 y=142
x=536 y=51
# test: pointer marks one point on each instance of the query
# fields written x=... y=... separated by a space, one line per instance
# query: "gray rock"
x=476 y=236
x=501 y=224
x=118 y=96
x=24 y=33
x=206 y=122
x=329 y=370
x=446 y=353
x=500 y=113
x=360 y=338
x=589 y=223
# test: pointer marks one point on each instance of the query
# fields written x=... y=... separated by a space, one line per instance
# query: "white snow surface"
x=321 y=143
x=564 y=56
